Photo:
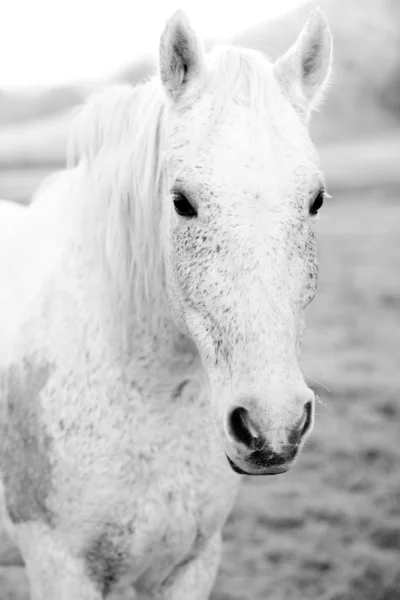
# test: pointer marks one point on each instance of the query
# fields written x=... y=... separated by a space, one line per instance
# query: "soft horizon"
x=57 y=43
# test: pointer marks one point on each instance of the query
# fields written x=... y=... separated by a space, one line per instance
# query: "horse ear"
x=305 y=68
x=181 y=56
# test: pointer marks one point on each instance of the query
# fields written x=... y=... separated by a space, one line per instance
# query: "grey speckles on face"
x=24 y=443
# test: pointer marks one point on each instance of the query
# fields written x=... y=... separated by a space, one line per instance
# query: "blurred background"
x=330 y=528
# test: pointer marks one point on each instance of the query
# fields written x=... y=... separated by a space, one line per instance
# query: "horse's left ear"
x=181 y=56
x=305 y=68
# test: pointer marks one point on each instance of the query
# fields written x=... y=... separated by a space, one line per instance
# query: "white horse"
x=11 y=215
x=151 y=316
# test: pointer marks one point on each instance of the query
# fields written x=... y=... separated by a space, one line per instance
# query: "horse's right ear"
x=181 y=56
x=305 y=68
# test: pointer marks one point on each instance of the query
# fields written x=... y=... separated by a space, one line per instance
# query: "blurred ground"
x=330 y=528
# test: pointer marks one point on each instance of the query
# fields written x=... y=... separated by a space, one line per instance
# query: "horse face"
x=239 y=215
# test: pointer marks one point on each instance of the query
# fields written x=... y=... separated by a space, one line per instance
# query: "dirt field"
x=330 y=528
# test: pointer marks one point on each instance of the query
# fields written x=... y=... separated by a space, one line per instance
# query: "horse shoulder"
x=24 y=441
x=25 y=444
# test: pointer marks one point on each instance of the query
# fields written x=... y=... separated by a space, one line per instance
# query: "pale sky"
x=48 y=42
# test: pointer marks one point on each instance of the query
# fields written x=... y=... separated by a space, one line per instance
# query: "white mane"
x=118 y=136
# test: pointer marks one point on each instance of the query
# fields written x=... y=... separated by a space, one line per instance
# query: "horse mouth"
x=273 y=470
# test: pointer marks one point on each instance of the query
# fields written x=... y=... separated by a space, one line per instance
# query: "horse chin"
x=273 y=470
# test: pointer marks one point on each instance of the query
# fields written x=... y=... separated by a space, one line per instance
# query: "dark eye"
x=317 y=203
x=182 y=205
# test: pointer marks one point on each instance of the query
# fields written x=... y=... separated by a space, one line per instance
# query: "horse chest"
x=155 y=499
x=159 y=529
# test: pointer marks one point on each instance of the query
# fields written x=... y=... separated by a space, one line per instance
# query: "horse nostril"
x=242 y=429
x=308 y=408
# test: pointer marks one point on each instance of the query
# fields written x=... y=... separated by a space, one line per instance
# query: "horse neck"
x=159 y=355
x=139 y=332
x=120 y=185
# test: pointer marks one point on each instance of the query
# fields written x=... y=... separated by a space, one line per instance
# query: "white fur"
x=131 y=333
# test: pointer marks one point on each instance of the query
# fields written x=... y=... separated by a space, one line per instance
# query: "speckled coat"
x=128 y=333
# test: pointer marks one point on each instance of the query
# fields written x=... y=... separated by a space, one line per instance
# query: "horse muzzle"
x=250 y=453
x=261 y=465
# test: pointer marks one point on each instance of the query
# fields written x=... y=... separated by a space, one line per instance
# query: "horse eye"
x=317 y=203
x=182 y=205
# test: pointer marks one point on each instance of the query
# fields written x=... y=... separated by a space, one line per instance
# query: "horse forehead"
x=268 y=181
x=243 y=148
x=263 y=151
x=25 y=443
